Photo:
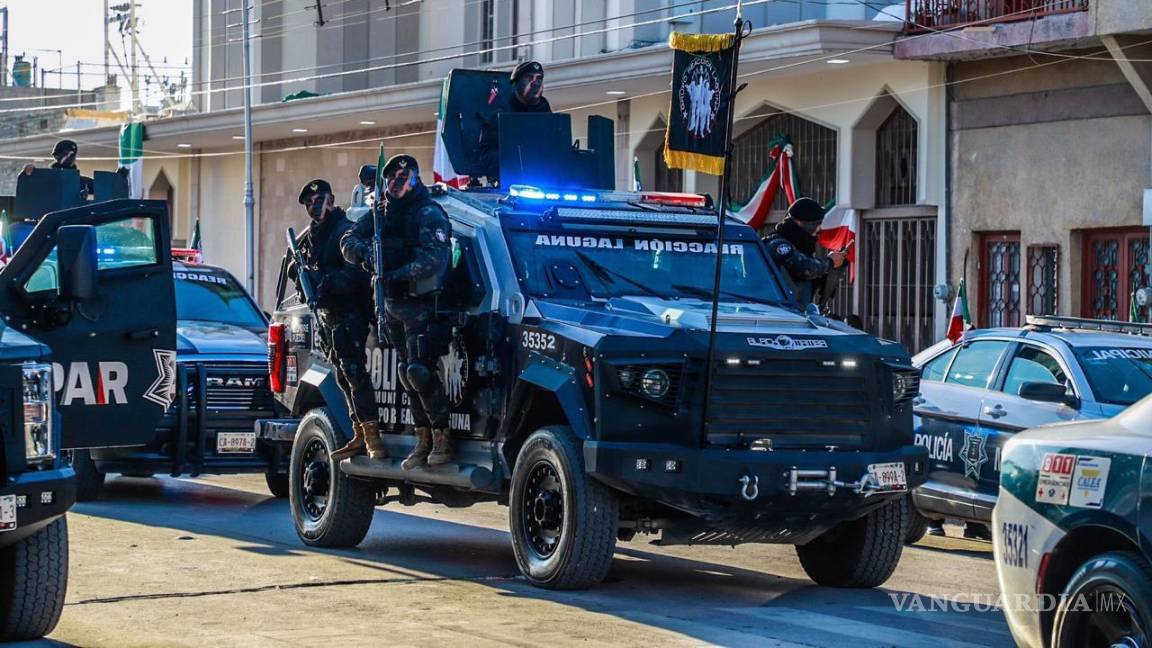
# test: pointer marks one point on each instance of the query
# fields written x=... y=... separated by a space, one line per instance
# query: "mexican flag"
x=442 y=169
x=961 y=319
x=131 y=157
x=197 y=242
x=838 y=232
x=781 y=175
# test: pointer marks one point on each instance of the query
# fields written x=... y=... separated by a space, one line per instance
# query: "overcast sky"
x=76 y=28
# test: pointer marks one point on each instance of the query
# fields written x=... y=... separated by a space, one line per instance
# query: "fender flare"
x=319 y=382
x=559 y=379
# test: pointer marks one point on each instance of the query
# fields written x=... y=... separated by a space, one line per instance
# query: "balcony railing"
x=931 y=15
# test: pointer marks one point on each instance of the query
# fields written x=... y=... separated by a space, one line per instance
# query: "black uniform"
x=794 y=250
x=343 y=296
x=488 y=149
x=418 y=252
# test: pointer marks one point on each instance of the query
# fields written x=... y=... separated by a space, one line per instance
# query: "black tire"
x=328 y=508
x=917 y=523
x=569 y=548
x=1117 y=589
x=860 y=553
x=33 y=581
x=89 y=480
x=277 y=485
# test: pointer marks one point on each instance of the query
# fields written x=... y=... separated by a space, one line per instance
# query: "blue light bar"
x=532 y=193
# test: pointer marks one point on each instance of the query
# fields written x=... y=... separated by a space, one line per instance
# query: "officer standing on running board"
x=414 y=273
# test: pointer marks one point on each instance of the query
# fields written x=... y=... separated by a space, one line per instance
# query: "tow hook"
x=751 y=487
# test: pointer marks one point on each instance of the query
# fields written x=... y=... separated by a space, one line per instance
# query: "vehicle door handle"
x=144 y=334
x=995 y=412
x=918 y=401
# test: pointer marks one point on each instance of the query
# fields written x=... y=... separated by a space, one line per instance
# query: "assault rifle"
x=307 y=285
x=378 y=288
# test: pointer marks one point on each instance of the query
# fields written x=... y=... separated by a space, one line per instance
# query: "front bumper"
x=713 y=483
x=45 y=495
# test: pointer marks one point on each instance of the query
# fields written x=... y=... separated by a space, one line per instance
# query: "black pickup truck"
x=87 y=355
x=222 y=388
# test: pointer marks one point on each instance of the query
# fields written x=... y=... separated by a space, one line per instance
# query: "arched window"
x=815 y=158
x=896 y=160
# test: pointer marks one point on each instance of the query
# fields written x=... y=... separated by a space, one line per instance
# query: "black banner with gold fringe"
x=697 y=133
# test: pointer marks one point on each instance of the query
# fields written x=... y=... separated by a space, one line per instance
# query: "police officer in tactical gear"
x=527 y=97
x=342 y=304
x=416 y=261
x=64 y=157
x=793 y=246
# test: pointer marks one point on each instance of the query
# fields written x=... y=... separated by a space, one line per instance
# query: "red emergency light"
x=674 y=199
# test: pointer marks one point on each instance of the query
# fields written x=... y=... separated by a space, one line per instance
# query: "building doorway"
x=999 y=279
x=1115 y=264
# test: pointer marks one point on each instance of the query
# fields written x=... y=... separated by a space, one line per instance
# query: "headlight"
x=905 y=385
x=39 y=442
x=655 y=383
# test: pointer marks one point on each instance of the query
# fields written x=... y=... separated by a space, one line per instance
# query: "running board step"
x=475 y=469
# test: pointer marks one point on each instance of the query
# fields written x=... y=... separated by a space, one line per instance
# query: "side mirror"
x=1046 y=392
x=76 y=259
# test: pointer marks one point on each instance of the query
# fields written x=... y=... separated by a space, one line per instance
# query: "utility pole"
x=107 y=46
x=249 y=201
x=137 y=104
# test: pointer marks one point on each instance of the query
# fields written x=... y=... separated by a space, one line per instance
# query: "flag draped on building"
x=442 y=169
x=781 y=175
x=132 y=157
x=697 y=136
x=961 y=319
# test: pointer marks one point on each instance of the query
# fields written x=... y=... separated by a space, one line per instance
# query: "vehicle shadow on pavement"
x=708 y=601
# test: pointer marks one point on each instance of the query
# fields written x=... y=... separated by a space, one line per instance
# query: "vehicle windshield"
x=1118 y=375
x=582 y=264
x=214 y=297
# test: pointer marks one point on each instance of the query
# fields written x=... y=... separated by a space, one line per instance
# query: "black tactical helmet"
x=314 y=187
x=526 y=67
x=63 y=147
x=402 y=161
x=806 y=210
x=368 y=175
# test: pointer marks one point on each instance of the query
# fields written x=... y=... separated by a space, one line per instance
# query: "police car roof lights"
x=533 y=193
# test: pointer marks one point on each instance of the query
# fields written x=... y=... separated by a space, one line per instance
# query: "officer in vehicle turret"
x=793 y=246
x=527 y=97
x=64 y=157
x=414 y=272
x=342 y=303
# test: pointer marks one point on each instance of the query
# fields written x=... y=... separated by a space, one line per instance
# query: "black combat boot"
x=419 y=455
x=441 y=448
x=376 y=447
x=353 y=447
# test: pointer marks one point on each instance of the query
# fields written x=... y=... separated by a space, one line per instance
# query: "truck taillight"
x=277 y=356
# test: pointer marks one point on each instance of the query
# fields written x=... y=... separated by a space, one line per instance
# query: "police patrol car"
x=222 y=388
x=1071 y=532
x=576 y=330
x=69 y=298
x=978 y=393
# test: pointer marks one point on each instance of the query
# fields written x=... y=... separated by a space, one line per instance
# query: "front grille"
x=794 y=403
x=231 y=387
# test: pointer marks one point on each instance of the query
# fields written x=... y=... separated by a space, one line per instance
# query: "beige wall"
x=1047 y=180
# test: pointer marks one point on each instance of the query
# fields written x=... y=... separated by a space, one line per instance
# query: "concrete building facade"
x=1050 y=156
x=868 y=130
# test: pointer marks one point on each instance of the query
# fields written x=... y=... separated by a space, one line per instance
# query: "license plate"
x=7 y=512
x=889 y=476
x=235 y=442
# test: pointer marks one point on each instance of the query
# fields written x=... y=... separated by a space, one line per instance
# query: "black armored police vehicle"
x=221 y=386
x=87 y=357
x=574 y=331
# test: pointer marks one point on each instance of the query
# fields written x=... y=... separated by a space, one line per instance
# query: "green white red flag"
x=442 y=169
x=132 y=157
x=961 y=319
x=781 y=175
x=838 y=233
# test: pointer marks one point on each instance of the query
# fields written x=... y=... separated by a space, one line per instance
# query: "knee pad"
x=420 y=377
x=402 y=375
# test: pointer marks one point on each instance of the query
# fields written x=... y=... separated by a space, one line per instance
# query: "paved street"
x=216 y=562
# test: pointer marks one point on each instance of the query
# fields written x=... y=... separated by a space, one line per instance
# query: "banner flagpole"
x=741 y=29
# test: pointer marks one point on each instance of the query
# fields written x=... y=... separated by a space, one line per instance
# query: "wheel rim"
x=1113 y=620
x=315 y=480
x=542 y=510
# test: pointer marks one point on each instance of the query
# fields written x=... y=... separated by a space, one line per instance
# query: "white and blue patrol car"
x=1071 y=532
